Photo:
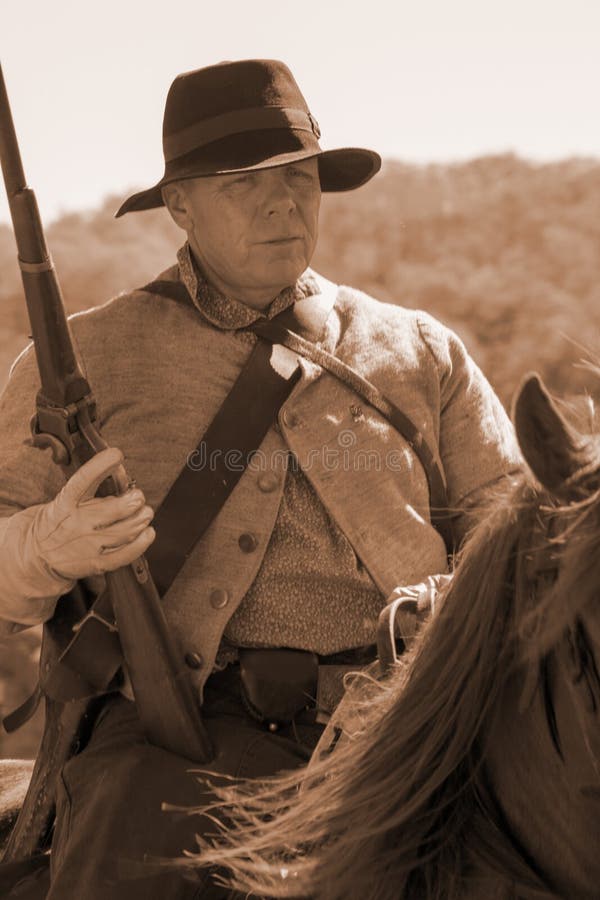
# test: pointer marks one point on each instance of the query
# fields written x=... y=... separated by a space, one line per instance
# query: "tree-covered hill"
x=504 y=251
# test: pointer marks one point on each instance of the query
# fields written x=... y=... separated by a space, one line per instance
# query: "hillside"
x=504 y=251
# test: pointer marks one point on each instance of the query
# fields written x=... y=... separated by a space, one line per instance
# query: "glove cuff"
x=29 y=588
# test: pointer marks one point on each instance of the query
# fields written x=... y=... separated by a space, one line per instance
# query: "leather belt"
x=278 y=684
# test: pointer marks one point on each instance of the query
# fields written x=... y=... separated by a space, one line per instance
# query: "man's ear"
x=176 y=200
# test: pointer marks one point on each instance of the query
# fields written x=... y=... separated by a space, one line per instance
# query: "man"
x=302 y=556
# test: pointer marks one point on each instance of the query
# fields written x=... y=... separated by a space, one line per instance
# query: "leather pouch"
x=278 y=683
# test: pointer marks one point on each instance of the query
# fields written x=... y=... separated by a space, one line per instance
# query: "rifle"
x=126 y=618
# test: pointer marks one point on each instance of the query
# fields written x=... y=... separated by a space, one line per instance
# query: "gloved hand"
x=45 y=548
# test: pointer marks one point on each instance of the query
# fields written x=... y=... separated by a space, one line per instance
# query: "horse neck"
x=538 y=791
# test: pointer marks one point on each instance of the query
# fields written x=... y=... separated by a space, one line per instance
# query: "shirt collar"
x=227 y=313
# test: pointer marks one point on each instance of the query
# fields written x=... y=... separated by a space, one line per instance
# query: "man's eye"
x=241 y=180
x=301 y=174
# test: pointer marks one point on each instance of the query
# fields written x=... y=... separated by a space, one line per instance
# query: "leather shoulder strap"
x=202 y=487
x=173 y=290
x=239 y=427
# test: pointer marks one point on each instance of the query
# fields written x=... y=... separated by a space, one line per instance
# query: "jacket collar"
x=227 y=313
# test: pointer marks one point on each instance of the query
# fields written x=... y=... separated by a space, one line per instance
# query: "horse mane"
x=577 y=542
x=399 y=794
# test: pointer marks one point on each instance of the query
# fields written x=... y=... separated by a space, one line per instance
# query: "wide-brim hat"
x=245 y=115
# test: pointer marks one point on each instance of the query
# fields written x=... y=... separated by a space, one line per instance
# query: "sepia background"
x=486 y=212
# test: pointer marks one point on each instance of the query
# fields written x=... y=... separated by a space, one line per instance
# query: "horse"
x=475 y=771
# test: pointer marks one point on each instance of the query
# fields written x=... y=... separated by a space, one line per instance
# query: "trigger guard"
x=60 y=454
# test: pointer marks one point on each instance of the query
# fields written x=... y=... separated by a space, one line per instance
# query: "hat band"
x=240 y=120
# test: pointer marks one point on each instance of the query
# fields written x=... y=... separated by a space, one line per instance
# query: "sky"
x=421 y=81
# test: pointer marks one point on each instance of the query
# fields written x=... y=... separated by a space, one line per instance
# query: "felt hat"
x=245 y=115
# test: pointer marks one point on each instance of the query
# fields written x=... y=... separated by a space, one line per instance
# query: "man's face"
x=255 y=232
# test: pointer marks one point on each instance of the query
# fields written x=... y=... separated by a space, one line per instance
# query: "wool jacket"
x=160 y=371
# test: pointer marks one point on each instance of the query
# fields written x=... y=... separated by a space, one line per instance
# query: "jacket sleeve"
x=28 y=476
x=477 y=442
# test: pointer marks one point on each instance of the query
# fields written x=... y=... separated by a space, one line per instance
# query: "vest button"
x=290 y=419
x=193 y=660
x=248 y=542
x=219 y=598
x=268 y=482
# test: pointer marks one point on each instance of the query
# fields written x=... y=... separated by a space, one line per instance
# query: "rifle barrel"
x=61 y=371
x=12 y=166
x=29 y=233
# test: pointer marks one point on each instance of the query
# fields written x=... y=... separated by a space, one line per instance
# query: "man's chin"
x=282 y=272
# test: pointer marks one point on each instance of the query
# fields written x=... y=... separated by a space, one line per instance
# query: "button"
x=268 y=482
x=219 y=598
x=248 y=542
x=193 y=660
x=290 y=419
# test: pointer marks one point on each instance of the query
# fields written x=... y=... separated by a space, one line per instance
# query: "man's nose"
x=279 y=199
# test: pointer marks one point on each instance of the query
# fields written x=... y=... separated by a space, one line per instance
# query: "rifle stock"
x=65 y=422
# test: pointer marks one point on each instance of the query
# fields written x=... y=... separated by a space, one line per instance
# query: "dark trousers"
x=109 y=820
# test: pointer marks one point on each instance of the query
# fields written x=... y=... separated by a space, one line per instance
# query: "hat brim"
x=343 y=169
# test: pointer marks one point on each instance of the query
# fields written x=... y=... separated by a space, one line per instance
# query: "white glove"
x=45 y=548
